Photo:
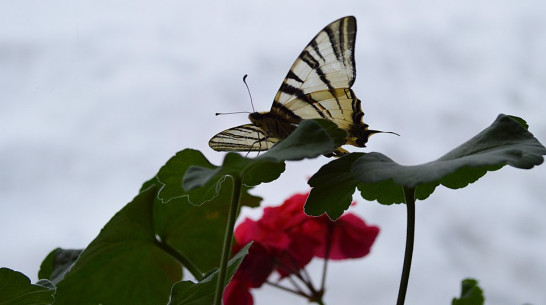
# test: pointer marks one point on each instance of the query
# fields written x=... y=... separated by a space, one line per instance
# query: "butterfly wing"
x=242 y=138
x=319 y=82
x=327 y=63
x=339 y=105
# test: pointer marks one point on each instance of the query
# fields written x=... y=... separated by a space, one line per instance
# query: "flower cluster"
x=286 y=240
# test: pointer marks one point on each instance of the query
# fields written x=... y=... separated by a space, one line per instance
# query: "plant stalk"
x=326 y=257
x=409 y=194
x=228 y=239
x=188 y=264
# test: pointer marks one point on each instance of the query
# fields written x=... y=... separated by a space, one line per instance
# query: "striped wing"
x=327 y=63
x=339 y=105
x=242 y=138
x=319 y=83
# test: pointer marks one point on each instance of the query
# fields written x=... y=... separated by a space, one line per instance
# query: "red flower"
x=237 y=293
x=256 y=267
x=350 y=237
x=286 y=240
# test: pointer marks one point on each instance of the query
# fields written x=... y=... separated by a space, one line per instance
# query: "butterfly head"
x=258 y=119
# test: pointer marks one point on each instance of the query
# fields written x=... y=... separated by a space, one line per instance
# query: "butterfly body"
x=273 y=125
x=318 y=85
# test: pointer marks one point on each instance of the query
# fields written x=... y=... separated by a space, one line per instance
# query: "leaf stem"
x=228 y=238
x=186 y=263
x=409 y=194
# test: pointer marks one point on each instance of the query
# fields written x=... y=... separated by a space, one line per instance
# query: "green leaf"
x=506 y=141
x=190 y=293
x=123 y=265
x=333 y=187
x=138 y=255
x=170 y=177
x=171 y=174
x=311 y=139
x=377 y=177
x=197 y=232
x=16 y=289
x=471 y=294
x=57 y=264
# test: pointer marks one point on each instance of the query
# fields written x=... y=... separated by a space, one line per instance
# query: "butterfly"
x=318 y=85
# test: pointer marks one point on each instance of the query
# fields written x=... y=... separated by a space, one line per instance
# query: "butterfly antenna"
x=222 y=113
x=251 y=103
x=248 y=89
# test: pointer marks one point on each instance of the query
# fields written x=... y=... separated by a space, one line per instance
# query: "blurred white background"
x=96 y=96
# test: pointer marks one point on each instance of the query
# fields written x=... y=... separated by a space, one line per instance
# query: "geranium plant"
x=183 y=219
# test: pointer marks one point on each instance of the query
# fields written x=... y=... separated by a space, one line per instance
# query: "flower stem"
x=326 y=257
x=308 y=280
x=296 y=291
x=409 y=193
x=295 y=284
x=228 y=239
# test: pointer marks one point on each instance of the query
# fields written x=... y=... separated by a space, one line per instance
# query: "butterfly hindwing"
x=242 y=138
x=337 y=105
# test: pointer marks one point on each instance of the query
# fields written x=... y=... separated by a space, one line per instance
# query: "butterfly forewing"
x=325 y=64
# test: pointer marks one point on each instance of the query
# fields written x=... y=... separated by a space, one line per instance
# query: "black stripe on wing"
x=332 y=37
x=358 y=114
x=297 y=93
x=315 y=65
x=347 y=39
x=292 y=75
x=284 y=111
x=316 y=48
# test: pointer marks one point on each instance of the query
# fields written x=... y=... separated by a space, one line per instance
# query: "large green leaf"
x=311 y=139
x=140 y=252
x=471 y=294
x=123 y=265
x=506 y=141
x=16 y=289
x=197 y=232
x=202 y=292
x=138 y=255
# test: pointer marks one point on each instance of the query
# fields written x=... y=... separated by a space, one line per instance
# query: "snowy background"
x=96 y=95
